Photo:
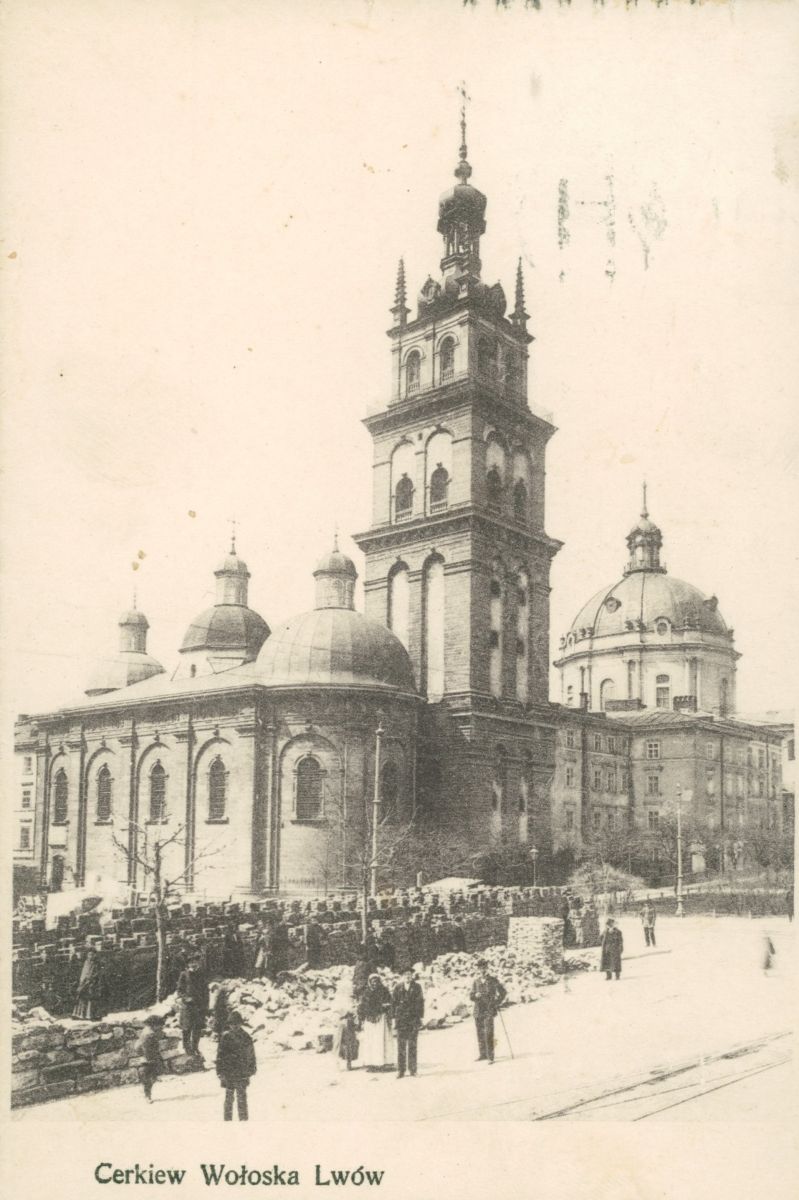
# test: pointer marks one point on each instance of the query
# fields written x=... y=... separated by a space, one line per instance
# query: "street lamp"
x=679 y=912
x=375 y=810
x=534 y=860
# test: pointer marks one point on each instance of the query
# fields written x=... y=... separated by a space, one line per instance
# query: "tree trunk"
x=161 y=964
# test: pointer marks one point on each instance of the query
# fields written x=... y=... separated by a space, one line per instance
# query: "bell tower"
x=457 y=557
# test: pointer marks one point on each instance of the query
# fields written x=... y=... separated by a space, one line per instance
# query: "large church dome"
x=332 y=645
x=646 y=597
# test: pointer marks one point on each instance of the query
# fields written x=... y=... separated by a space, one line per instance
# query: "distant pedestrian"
x=150 y=1049
x=192 y=992
x=221 y=1010
x=767 y=953
x=487 y=996
x=235 y=1066
x=407 y=1011
x=612 y=950
x=91 y=989
x=233 y=953
x=314 y=944
x=277 y=949
x=789 y=903
x=648 y=918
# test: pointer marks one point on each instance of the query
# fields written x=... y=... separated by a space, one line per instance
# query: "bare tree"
x=149 y=852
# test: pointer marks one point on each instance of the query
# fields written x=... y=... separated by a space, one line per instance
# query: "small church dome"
x=227 y=627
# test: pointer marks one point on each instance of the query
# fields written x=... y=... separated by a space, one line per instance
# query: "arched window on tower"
x=433 y=614
x=403 y=499
x=522 y=638
x=217 y=790
x=60 y=798
x=389 y=793
x=662 y=692
x=494 y=488
x=607 y=691
x=309 y=786
x=447 y=357
x=399 y=602
x=498 y=789
x=413 y=372
x=157 y=794
x=486 y=358
x=495 y=638
x=520 y=501
x=439 y=487
x=103 y=794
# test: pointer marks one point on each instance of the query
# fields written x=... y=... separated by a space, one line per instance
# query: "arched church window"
x=389 y=792
x=217 y=790
x=447 y=359
x=57 y=873
x=570 y=694
x=511 y=372
x=499 y=781
x=157 y=794
x=494 y=488
x=413 y=371
x=308 y=806
x=662 y=692
x=607 y=691
x=399 y=602
x=104 y=794
x=520 y=501
x=403 y=498
x=433 y=618
x=439 y=487
x=60 y=798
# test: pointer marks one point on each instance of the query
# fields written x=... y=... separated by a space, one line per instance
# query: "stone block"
x=24 y=1057
x=49 y=1091
x=64 y=1071
x=83 y=1037
x=61 y=1055
x=111 y=1060
x=24 y=1079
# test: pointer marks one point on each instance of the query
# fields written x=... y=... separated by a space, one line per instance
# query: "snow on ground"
x=699 y=993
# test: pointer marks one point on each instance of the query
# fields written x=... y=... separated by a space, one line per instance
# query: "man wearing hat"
x=612 y=949
x=487 y=996
x=407 y=1011
x=235 y=1065
x=193 y=999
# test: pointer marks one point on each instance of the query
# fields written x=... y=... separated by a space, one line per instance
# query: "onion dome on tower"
x=333 y=645
x=230 y=633
x=132 y=664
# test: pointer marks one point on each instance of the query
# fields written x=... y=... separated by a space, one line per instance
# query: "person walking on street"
x=612 y=949
x=192 y=995
x=487 y=996
x=407 y=1010
x=150 y=1049
x=648 y=918
x=235 y=1066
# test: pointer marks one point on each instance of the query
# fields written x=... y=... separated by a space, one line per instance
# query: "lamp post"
x=534 y=859
x=375 y=811
x=679 y=912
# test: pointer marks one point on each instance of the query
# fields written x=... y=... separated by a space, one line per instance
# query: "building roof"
x=663 y=718
x=125 y=668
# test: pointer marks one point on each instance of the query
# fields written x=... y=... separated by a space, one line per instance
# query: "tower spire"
x=233 y=535
x=463 y=170
x=400 y=310
x=644 y=512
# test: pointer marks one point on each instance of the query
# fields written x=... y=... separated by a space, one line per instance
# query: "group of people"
x=383 y=1029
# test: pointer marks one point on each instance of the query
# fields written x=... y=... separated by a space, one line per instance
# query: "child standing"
x=150 y=1049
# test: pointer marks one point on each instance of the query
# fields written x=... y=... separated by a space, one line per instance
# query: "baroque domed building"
x=649 y=640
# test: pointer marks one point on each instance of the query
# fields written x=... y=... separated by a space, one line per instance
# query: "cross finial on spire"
x=134 y=597
x=233 y=524
x=463 y=170
x=644 y=512
x=335 y=537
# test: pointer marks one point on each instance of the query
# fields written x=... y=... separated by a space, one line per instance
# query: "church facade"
x=255 y=762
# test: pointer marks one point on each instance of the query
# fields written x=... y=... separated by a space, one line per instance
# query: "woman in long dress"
x=377 y=1045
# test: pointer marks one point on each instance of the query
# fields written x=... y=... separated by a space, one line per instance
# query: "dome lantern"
x=461 y=216
x=335 y=577
x=644 y=542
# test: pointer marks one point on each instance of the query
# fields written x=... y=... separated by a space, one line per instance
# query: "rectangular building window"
x=24 y=837
x=27 y=798
x=710 y=750
x=570 y=739
x=625 y=781
x=612 y=745
x=653 y=749
x=610 y=782
x=761 y=759
x=596 y=818
x=653 y=785
x=597 y=741
x=653 y=819
x=569 y=819
x=597 y=781
x=27 y=764
x=570 y=777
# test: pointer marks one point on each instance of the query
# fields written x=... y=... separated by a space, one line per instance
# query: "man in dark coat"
x=407 y=1011
x=233 y=953
x=314 y=944
x=612 y=949
x=235 y=1065
x=487 y=996
x=277 y=952
x=192 y=992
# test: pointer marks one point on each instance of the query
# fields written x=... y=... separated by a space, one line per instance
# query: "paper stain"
x=192 y=513
x=141 y=554
x=13 y=254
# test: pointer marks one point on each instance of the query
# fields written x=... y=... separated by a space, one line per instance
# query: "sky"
x=203 y=217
